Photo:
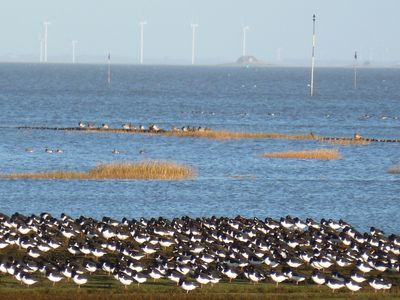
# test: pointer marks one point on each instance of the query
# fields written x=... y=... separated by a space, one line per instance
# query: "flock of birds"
x=48 y=150
x=195 y=252
x=152 y=127
x=126 y=126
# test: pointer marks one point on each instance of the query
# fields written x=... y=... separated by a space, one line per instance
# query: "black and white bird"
x=187 y=285
x=334 y=284
x=54 y=276
x=79 y=279
x=379 y=283
x=352 y=286
x=28 y=279
x=318 y=277
x=277 y=277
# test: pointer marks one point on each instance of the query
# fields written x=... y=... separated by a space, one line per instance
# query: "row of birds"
x=363 y=117
x=193 y=252
x=126 y=126
x=46 y=150
x=152 y=127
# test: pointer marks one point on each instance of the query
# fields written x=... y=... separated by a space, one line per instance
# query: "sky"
x=101 y=26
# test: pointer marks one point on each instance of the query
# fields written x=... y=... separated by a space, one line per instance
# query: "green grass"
x=102 y=286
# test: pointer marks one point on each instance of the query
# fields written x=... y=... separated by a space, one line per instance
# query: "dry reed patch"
x=323 y=154
x=149 y=170
x=394 y=170
x=346 y=142
x=223 y=135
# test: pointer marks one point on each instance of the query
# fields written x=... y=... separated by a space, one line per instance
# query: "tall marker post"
x=355 y=70
x=194 y=26
x=245 y=28
x=279 y=53
x=73 y=50
x=141 y=24
x=109 y=68
x=45 y=24
x=312 y=59
x=41 y=48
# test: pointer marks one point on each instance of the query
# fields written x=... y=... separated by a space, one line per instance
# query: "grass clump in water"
x=346 y=142
x=322 y=154
x=224 y=135
x=394 y=170
x=148 y=170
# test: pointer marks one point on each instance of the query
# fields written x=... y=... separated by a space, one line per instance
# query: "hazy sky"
x=101 y=26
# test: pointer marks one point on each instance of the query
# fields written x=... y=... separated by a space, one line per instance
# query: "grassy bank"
x=224 y=135
x=157 y=170
x=103 y=287
x=322 y=154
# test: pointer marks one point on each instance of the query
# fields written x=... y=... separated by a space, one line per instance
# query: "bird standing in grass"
x=79 y=279
x=187 y=285
x=334 y=284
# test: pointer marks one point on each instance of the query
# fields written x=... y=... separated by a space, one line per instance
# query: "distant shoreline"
x=342 y=65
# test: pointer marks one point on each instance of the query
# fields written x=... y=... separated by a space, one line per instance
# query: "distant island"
x=249 y=60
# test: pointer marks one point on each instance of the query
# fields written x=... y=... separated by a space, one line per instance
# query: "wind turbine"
x=73 y=50
x=41 y=48
x=141 y=24
x=194 y=26
x=355 y=70
x=312 y=59
x=109 y=68
x=245 y=28
x=45 y=24
x=279 y=53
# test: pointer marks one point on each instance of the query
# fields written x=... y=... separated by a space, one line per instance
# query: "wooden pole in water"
x=355 y=70
x=109 y=68
x=312 y=59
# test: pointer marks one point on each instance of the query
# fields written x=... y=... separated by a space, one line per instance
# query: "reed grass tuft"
x=224 y=135
x=346 y=142
x=394 y=170
x=322 y=154
x=148 y=170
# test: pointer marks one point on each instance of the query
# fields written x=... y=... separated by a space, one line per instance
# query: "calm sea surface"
x=232 y=177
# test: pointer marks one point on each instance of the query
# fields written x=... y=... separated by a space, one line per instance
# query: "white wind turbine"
x=245 y=28
x=73 y=50
x=141 y=24
x=194 y=26
x=45 y=24
x=41 y=48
